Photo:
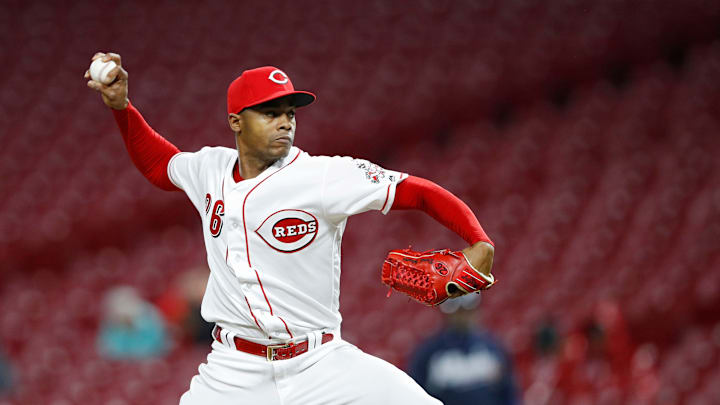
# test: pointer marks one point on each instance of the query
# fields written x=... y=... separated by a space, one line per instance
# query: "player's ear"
x=235 y=121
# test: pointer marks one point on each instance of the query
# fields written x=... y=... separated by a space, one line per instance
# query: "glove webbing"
x=411 y=281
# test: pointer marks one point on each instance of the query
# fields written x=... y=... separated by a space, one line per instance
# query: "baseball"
x=99 y=70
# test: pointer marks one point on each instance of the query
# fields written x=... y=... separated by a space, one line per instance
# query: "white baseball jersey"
x=273 y=242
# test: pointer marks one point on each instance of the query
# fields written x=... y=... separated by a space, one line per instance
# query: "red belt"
x=271 y=352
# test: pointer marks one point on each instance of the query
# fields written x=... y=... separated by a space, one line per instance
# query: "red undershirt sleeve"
x=149 y=151
x=446 y=208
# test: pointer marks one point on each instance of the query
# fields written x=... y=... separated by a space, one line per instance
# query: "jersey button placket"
x=235 y=236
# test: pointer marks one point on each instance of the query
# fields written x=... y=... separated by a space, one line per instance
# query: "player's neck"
x=251 y=166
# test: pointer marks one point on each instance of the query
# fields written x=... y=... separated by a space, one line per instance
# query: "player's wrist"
x=480 y=257
x=487 y=276
x=121 y=105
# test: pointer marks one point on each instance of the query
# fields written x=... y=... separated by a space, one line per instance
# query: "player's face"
x=268 y=131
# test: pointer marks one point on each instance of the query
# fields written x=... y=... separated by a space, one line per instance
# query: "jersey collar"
x=294 y=152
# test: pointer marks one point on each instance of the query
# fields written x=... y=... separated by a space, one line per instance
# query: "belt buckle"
x=270 y=351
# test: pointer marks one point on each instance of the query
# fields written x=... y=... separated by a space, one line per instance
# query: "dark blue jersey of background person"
x=464 y=365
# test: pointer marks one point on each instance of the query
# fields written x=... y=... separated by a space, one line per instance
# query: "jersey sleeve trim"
x=391 y=194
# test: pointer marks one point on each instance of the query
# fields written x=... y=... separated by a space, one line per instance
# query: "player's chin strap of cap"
x=272 y=352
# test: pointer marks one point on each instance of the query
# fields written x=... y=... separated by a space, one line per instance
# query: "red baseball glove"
x=434 y=276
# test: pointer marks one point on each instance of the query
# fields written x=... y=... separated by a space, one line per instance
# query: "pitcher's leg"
x=347 y=375
x=232 y=377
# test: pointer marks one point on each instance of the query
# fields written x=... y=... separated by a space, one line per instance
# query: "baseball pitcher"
x=273 y=218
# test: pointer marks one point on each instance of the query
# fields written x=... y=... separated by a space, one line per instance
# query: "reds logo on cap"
x=278 y=76
x=288 y=230
x=259 y=85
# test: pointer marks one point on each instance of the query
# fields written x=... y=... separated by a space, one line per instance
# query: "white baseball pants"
x=334 y=373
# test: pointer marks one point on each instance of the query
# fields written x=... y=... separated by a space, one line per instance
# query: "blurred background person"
x=463 y=363
x=594 y=355
x=6 y=375
x=546 y=339
x=131 y=327
x=180 y=305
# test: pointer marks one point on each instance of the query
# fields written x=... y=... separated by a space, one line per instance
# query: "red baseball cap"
x=256 y=86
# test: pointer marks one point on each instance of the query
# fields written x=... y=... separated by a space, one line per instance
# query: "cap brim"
x=298 y=98
x=303 y=98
